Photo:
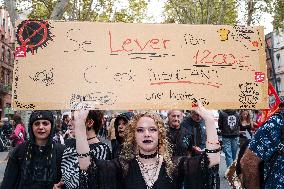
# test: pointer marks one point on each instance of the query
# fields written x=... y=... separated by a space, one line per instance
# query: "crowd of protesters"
x=147 y=151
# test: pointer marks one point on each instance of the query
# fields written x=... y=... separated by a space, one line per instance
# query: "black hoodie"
x=31 y=166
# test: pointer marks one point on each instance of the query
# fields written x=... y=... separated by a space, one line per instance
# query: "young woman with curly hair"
x=146 y=161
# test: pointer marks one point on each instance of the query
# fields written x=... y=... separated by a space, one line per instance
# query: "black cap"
x=40 y=115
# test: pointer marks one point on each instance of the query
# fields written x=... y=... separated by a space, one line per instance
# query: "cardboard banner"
x=71 y=65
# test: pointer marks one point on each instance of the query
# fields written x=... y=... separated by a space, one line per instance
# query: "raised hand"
x=212 y=142
x=203 y=112
x=80 y=117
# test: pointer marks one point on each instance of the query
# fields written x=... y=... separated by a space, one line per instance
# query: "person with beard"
x=146 y=160
x=178 y=136
x=196 y=127
x=229 y=126
x=35 y=164
x=120 y=124
x=71 y=173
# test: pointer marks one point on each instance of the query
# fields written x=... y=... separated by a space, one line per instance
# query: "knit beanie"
x=40 y=115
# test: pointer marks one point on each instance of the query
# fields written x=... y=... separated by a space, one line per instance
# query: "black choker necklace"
x=148 y=156
x=91 y=138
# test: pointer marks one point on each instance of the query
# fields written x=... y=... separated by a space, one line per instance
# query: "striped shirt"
x=70 y=164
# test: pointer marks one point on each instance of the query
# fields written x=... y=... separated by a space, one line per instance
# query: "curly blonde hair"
x=130 y=148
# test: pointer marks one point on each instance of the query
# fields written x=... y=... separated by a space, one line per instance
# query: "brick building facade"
x=7 y=43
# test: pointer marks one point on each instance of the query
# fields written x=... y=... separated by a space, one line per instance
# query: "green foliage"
x=89 y=10
x=176 y=11
x=278 y=21
x=41 y=9
x=201 y=12
x=135 y=12
x=7 y=87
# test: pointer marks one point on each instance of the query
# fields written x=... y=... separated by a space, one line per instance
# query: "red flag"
x=273 y=107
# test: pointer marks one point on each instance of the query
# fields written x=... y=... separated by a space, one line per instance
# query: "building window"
x=278 y=60
x=3 y=54
x=279 y=86
x=9 y=56
x=270 y=73
x=2 y=75
x=11 y=78
x=6 y=78
x=3 y=23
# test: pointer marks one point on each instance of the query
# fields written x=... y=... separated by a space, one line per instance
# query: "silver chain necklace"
x=145 y=169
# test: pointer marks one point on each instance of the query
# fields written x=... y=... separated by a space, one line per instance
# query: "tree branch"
x=73 y=12
x=251 y=4
x=11 y=8
x=195 y=13
x=189 y=15
x=59 y=10
x=201 y=10
x=221 y=15
x=89 y=9
x=176 y=10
